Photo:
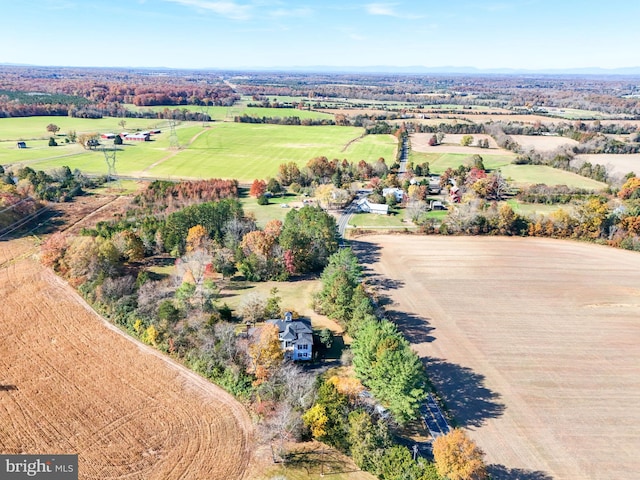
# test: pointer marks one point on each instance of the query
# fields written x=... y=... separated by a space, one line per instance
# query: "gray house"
x=295 y=336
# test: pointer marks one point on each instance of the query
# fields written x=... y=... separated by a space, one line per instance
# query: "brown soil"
x=532 y=343
x=72 y=383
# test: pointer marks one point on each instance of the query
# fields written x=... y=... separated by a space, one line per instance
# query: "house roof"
x=297 y=331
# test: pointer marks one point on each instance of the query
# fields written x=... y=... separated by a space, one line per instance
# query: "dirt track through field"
x=533 y=343
x=70 y=383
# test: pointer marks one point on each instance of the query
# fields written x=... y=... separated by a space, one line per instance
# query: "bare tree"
x=252 y=307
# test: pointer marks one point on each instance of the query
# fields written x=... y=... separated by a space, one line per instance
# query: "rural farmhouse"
x=296 y=337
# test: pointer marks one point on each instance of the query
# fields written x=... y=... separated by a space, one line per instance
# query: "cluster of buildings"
x=132 y=137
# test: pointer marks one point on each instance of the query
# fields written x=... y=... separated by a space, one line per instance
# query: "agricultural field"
x=451 y=144
x=532 y=174
x=249 y=151
x=543 y=143
x=228 y=113
x=500 y=159
x=73 y=383
x=532 y=344
x=225 y=150
x=617 y=165
x=576 y=113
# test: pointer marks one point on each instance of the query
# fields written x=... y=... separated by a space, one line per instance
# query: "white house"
x=296 y=337
x=397 y=192
x=366 y=206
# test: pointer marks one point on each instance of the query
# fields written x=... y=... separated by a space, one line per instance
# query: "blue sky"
x=522 y=34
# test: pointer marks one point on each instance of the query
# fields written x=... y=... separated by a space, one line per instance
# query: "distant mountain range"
x=408 y=70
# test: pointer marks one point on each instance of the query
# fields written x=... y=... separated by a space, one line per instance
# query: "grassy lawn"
x=274 y=210
x=314 y=461
x=295 y=295
x=371 y=220
x=437 y=214
x=532 y=209
x=38 y=150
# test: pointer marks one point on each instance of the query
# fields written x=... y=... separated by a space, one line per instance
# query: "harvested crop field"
x=543 y=143
x=451 y=144
x=71 y=383
x=617 y=165
x=532 y=343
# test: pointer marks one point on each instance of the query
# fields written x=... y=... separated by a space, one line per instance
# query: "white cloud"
x=382 y=9
x=225 y=8
x=389 y=10
x=291 y=12
x=355 y=36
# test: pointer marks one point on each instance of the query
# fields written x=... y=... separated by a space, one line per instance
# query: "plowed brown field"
x=532 y=343
x=71 y=383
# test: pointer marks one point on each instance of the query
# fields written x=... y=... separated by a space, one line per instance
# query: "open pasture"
x=28 y=128
x=617 y=165
x=532 y=344
x=517 y=174
x=72 y=383
x=532 y=174
x=225 y=150
x=249 y=151
x=439 y=162
x=543 y=143
x=132 y=158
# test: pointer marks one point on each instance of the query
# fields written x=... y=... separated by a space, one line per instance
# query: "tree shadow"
x=416 y=329
x=463 y=392
x=383 y=283
x=367 y=253
x=500 y=472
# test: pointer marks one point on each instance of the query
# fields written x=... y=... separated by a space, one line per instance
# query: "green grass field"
x=532 y=174
x=249 y=151
x=533 y=209
x=28 y=128
x=439 y=162
x=225 y=150
x=370 y=220
x=517 y=174
x=264 y=213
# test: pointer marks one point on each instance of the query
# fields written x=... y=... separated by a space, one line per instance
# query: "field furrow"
x=72 y=383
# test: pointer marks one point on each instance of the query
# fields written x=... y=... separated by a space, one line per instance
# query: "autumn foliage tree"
x=457 y=457
x=630 y=189
x=265 y=352
x=258 y=188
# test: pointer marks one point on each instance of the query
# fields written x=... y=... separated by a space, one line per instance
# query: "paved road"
x=433 y=418
x=343 y=221
x=404 y=155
